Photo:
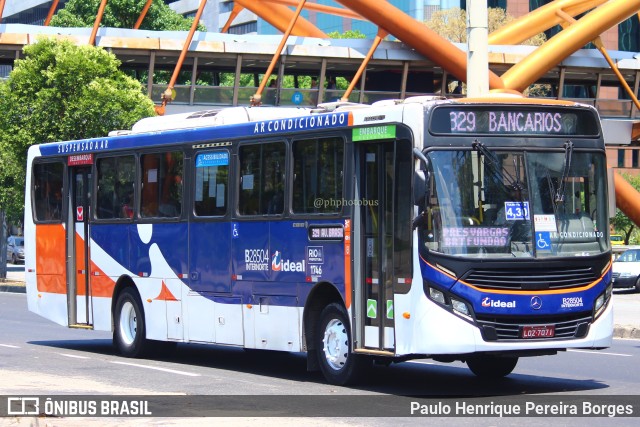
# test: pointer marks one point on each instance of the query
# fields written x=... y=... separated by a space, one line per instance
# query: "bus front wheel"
x=129 y=334
x=338 y=364
x=491 y=367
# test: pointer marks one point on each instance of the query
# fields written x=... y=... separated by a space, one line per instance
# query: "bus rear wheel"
x=338 y=364
x=129 y=334
x=491 y=367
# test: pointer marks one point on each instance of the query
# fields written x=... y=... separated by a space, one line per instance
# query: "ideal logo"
x=278 y=264
x=488 y=302
x=276 y=261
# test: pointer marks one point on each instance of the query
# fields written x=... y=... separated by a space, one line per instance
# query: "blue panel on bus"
x=122 y=243
x=250 y=251
x=210 y=256
x=530 y=303
x=198 y=135
x=171 y=239
x=115 y=240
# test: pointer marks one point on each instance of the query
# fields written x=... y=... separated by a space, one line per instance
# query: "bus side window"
x=318 y=175
x=262 y=169
x=47 y=191
x=116 y=176
x=211 y=183
x=161 y=184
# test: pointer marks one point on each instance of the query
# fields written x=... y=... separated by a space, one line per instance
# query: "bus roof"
x=239 y=122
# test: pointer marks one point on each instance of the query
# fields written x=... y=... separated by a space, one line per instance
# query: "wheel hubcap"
x=336 y=344
x=128 y=323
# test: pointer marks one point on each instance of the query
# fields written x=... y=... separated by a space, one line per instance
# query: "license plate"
x=541 y=331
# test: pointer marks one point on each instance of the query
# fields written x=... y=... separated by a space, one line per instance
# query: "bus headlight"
x=460 y=307
x=599 y=302
x=450 y=302
x=602 y=301
x=437 y=296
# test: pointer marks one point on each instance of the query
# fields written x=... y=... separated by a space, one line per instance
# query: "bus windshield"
x=486 y=203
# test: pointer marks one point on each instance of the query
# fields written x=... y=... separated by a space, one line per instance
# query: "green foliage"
x=621 y=223
x=122 y=14
x=349 y=34
x=60 y=91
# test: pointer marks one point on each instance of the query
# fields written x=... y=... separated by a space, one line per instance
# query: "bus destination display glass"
x=498 y=120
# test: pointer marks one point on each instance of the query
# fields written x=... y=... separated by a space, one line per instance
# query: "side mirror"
x=419 y=188
x=421 y=180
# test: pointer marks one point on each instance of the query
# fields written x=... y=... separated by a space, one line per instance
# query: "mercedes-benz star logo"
x=536 y=303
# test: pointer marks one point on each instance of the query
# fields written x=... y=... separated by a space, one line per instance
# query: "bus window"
x=212 y=178
x=47 y=191
x=262 y=169
x=161 y=194
x=116 y=177
x=318 y=175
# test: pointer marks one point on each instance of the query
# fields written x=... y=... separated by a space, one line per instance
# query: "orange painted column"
x=539 y=20
x=563 y=44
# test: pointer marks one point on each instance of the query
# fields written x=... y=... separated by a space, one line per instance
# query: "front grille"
x=507 y=328
x=530 y=279
x=615 y=275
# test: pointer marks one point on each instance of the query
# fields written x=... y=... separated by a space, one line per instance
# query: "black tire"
x=129 y=332
x=333 y=346
x=637 y=286
x=491 y=367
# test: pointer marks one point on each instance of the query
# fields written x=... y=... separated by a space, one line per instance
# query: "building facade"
x=625 y=36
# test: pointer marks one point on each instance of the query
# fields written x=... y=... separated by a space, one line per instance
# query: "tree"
x=349 y=34
x=452 y=24
x=621 y=223
x=122 y=14
x=58 y=92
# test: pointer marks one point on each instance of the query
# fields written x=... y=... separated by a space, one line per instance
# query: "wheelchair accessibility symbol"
x=543 y=241
x=235 y=233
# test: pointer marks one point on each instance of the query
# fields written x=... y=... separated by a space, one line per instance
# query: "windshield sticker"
x=545 y=222
x=543 y=240
x=474 y=236
x=214 y=158
x=515 y=211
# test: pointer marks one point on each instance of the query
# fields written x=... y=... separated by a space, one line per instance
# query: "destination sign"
x=513 y=121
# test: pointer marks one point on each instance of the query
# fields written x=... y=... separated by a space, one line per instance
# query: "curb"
x=626 y=332
x=13 y=288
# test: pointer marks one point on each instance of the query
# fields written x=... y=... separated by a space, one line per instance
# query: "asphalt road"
x=39 y=357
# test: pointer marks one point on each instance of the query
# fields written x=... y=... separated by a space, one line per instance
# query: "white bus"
x=473 y=230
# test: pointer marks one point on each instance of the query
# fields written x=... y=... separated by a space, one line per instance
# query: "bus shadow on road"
x=416 y=378
x=96 y=346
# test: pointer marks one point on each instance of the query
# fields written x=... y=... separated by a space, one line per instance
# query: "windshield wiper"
x=568 y=151
x=496 y=166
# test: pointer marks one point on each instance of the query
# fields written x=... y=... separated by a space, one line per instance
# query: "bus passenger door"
x=383 y=189
x=78 y=278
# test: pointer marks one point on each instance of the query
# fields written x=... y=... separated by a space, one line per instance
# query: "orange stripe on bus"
x=50 y=258
x=347 y=260
x=165 y=294
x=101 y=284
